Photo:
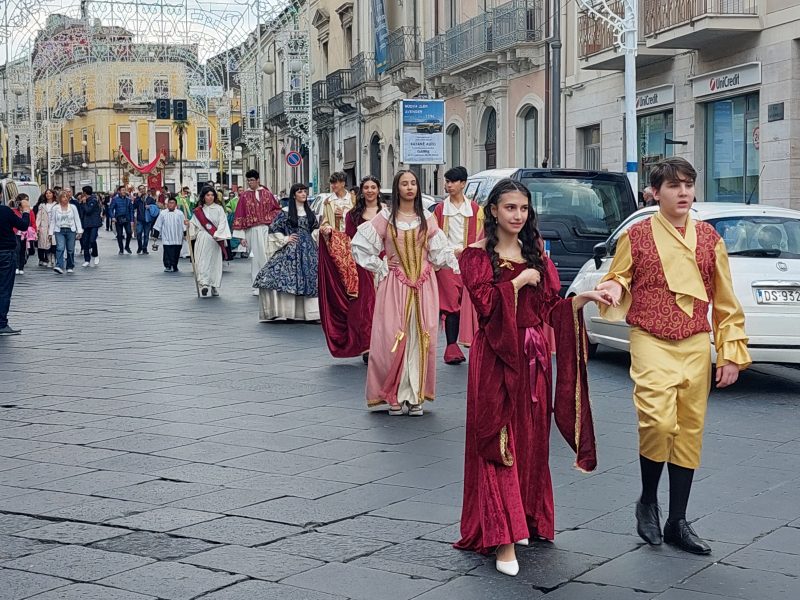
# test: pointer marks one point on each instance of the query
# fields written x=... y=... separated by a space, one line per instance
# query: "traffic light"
x=162 y=108
x=179 y=110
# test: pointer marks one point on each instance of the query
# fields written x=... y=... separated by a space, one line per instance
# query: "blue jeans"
x=8 y=269
x=143 y=235
x=65 y=240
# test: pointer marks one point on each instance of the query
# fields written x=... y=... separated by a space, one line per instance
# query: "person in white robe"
x=209 y=227
x=169 y=228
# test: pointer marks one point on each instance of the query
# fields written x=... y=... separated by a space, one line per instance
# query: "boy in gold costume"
x=665 y=272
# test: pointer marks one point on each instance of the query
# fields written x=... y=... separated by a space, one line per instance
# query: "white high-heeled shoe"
x=509 y=567
x=522 y=542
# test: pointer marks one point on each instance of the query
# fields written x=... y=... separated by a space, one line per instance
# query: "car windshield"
x=591 y=207
x=760 y=236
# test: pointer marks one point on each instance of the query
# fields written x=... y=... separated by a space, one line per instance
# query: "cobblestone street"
x=156 y=445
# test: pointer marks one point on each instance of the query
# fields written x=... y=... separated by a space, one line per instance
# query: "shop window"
x=732 y=149
x=655 y=137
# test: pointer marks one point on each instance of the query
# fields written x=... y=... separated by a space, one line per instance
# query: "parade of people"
x=428 y=301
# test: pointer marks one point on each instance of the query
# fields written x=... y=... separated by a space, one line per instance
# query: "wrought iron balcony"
x=340 y=90
x=22 y=159
x=319 y=93
x=276 y=107
x=697 y=23
x=362 y=70
x=435 y=56
x=403 y=47
x=517 y=22
x=469 y=40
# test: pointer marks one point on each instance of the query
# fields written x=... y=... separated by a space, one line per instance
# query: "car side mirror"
x=599 y=253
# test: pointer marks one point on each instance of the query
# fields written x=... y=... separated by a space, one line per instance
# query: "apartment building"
x=718 y=82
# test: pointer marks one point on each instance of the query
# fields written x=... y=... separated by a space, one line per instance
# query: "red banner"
x=153 y=168
x=155 y=182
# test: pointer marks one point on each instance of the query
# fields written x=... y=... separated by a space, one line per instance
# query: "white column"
x=503 y=130
x=151 y=138
x=134 y=138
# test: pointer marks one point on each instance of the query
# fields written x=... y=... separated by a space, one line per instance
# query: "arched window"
x=375 y=156
x=490 y=135
x=530 y=137
x=453 y=146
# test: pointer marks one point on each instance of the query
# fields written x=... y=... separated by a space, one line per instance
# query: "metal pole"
x=555 y=113
x=631 y=41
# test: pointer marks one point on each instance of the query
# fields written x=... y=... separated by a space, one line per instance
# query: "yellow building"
x=96 y=89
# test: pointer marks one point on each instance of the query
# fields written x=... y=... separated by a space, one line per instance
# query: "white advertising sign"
x=726 y=80
x=422 y=132
x=206 y=91
x=655 y=97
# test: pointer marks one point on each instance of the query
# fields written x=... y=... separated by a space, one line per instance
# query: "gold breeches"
x=671 y=384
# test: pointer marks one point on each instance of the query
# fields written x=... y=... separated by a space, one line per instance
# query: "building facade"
x=717 y=83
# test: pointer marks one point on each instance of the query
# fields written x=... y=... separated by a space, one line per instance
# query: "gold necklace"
x=405 y=214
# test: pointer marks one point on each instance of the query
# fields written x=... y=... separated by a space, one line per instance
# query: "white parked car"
x=763 y=243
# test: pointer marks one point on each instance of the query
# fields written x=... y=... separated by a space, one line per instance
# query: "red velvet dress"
x=346 y=320
x=508 y=494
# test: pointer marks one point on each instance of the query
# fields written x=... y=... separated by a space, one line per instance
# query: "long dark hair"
x=201 y=200
x=528 y=235
x=293 y=216
x=361 y=203
x=418 y=208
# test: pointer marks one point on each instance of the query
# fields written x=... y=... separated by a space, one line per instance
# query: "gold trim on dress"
x=505 y=455
x=579 y=350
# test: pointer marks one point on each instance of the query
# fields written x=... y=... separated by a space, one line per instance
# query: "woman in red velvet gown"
x=346 y=314
x=508 y=494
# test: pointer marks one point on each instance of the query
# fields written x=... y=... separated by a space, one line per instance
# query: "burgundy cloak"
x=346 y=320
x=508 y=493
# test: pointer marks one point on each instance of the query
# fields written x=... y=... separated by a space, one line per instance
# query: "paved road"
x=154 y=445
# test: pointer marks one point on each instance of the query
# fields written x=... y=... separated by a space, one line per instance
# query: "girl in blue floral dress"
x=287 y=284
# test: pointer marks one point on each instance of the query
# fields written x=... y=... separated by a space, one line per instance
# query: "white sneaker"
x=70 y=271
x=214 y=291
x=16 y=271
x=255 y=292
x=21 y=272
x=86 y=264
x=96 y=260
x=58 y=270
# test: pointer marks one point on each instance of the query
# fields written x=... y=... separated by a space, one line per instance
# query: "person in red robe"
x=508 y=494
x=461 y=220
x=346 y=316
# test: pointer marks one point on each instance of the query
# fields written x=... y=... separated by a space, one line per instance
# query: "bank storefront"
x=730 y=101
x=655 y=118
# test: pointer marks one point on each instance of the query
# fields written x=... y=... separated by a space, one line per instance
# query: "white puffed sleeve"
x=440 y=253
x=367 y=246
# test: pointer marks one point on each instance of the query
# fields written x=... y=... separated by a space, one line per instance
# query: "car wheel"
x=592 y=350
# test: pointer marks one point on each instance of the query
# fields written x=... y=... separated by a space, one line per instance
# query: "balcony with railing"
x=404 y=60
x=513 y=31
x=682 y=24
x=364 y=80
x=320 y=106
x=340 y=90
x=597 y=44
x=276 y=107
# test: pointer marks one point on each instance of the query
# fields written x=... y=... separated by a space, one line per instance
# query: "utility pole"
x=626 y=30
x=555 y=88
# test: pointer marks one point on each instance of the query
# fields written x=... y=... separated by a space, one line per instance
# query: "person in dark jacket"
x=91 y=220
x=122 y=214
x=144 y=220
x=8 y=258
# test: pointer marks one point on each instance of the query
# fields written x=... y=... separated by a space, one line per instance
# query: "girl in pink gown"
x=402 y=361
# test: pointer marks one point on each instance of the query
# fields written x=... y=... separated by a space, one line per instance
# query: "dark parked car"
x=577 y=209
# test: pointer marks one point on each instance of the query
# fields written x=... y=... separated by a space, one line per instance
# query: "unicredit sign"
x=727 y=80
x=654 y=97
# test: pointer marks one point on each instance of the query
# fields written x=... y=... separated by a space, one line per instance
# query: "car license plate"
x=778 y=296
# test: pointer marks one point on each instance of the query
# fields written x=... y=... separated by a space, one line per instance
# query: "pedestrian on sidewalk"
x=209 y=247
x=122 y=215
x=65 y=227
x=461 y=220
x=401 y=375
x=44 y=212
x=106 y=202
x=170 y=228
x=92 y=222
x=666 y=270
x=508 y=493
x=145 y=217
x=26 y=237
x=8 y=258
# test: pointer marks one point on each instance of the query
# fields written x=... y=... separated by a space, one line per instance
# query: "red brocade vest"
x=653 y=307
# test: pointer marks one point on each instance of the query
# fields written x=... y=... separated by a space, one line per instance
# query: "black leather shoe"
x=648 y=525
x=682 y=535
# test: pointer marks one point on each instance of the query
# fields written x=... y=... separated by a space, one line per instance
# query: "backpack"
x=152 y=213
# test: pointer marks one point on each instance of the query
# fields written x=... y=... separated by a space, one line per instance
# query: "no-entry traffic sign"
x=293 y=159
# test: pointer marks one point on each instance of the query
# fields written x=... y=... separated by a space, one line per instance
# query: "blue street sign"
x=293 y=159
